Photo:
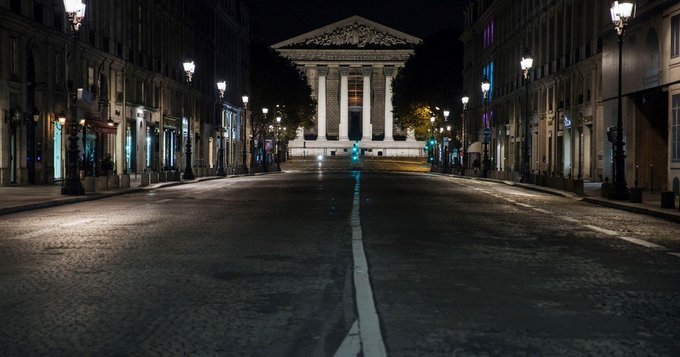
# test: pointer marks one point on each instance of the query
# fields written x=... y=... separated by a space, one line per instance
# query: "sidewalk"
x=15 y=199
x=651 y=202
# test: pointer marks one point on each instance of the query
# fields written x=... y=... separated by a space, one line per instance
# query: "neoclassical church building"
x=350 y=65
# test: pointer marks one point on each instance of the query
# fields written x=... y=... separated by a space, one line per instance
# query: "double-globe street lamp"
x=75 y=10
x=465 y=99
x=221 y=88
x=189 y=68
x=621 y=12
x=486 y=86
x=526 y=63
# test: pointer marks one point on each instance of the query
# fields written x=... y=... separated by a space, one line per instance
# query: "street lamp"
x=432 y=142
x=621 y=12
x=221 y=88
x=189 y=68
x=526 y=63
x=261 y=137
x=243 y=133
x=486 y=85
x=75 y=10
x=278 y=143
x=465 y=99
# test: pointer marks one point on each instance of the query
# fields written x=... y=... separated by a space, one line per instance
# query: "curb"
x=99 y=196
x=633 y=209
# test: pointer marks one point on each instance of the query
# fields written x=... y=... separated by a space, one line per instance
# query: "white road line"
x=76 y=223
x=674 y=254
x=643 y=243
x=569 y=219
x=524 y=205
x=372 y=344
x=164 y=200
x=601 y=230
x=32 y=234
x=541 y=210
x=351 y=345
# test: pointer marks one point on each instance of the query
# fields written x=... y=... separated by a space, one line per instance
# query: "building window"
x=675 y=36
x=489 y=34
x=13 y=55
x=488 y=73
x=676 y=128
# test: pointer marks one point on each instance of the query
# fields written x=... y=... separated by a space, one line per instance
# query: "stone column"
x=366 y=115
x=344 y=104
x=389 y=119
x=321 y=105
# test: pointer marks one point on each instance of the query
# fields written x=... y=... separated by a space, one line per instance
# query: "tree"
x=277 y=84
x=430 y=82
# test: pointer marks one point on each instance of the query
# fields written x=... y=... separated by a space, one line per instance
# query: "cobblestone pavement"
x=464 y=267
x=261 y=266
x=227 y=267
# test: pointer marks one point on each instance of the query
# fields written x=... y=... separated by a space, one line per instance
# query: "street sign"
x=487 y=135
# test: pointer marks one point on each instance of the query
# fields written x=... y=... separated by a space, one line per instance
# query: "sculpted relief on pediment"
x=354 y=35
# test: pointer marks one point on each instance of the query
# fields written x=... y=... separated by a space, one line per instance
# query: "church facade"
x=350 y=66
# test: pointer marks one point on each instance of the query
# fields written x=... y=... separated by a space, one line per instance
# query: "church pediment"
x=354 y=32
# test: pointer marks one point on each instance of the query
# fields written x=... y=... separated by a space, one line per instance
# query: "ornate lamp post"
x=432 y=143
x=221 y=87
x=264 y=153
x=465 y=99
x=189 y=68
x=486 y=85
x=243 y=133
x=526 y=63
x=447 y=157
x=75 y=10
x=621 y=12
x=278 y=143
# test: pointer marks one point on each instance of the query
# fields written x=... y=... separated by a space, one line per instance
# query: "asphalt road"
x=263 y=266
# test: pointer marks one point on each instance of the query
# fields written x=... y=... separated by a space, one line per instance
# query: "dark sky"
x=277 y=20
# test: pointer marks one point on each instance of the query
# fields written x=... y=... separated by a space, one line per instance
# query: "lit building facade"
x=350 y=65
x=127 y=65
x=572 y=97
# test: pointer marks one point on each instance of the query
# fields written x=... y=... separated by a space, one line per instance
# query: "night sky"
x=277 y=20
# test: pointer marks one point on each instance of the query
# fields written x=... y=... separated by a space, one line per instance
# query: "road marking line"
x=164 y=200
x=368 y=324
x=76 y=223
x=351 y=345
x=643 y=243
x=31 y=234
x=541 y=210
x=601 y=230
x=674 y=254
x=524 y=205
x=569 y=219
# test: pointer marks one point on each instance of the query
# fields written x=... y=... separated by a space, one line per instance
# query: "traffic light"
x=355 y=152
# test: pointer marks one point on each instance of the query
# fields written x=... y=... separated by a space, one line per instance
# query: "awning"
x=475 y=147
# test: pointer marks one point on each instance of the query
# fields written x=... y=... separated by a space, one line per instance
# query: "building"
x=127 y=68
x=350 y=65
x=572 y=87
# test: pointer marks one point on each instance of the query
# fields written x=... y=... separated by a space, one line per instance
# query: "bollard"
x=114 y=182
x=124 y=181
x=102 y=183
x=89 y=184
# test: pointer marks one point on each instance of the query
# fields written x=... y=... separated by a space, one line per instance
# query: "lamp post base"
x=188 y=175
x=619 y=192
x=73 y=189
